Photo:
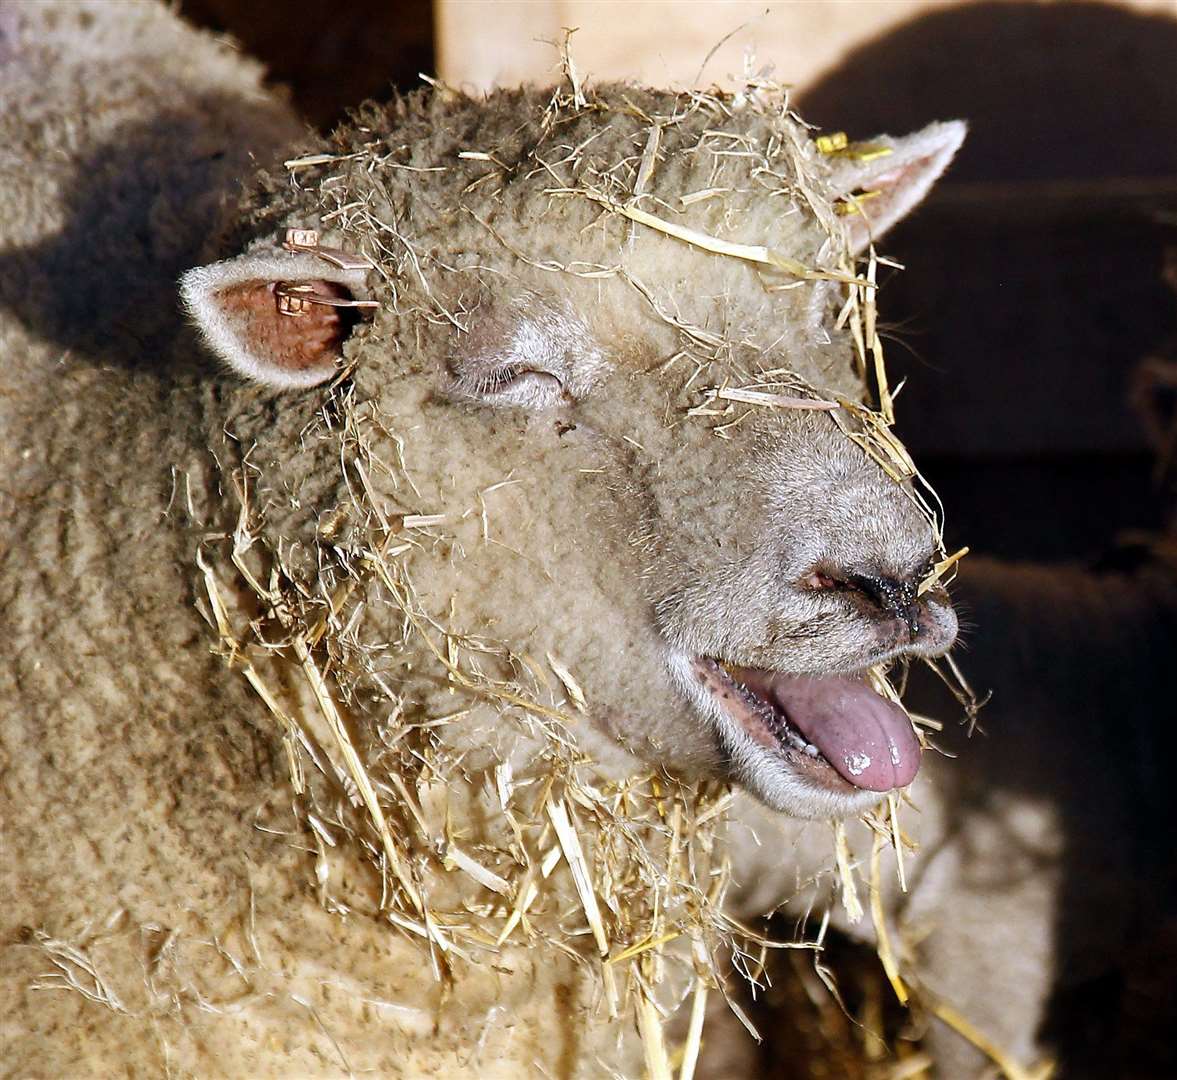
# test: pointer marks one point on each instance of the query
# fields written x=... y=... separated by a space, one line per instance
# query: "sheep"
x=371 y=698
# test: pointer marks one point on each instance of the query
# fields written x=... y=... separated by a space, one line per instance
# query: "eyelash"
x=497 y=379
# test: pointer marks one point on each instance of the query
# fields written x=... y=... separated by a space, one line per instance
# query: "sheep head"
x=538 y=310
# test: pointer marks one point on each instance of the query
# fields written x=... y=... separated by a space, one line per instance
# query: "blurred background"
x=1037 y=318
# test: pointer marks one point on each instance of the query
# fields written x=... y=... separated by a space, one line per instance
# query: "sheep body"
x=159 y=876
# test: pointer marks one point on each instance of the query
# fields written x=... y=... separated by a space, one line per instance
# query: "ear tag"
x=308 y=240
x=289 y=303
x=296 y=299
x=852 y=204
x=832 y=143
x=837 y=144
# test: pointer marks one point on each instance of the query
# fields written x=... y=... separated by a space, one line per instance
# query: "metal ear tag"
x=289 y=302
x=308 y=240
x=296 y=298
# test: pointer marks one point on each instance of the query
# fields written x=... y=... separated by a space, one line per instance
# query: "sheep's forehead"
x=457 y=199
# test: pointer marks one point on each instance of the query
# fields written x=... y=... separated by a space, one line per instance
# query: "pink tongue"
x=867 y=739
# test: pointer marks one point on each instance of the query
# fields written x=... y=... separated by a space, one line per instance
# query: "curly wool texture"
x=137 y=767
x=467 y=201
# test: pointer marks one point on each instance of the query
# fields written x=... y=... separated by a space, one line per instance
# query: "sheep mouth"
x=834 y=730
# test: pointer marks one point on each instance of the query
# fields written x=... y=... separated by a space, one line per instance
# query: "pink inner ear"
x=312 y=340
x=885 y=199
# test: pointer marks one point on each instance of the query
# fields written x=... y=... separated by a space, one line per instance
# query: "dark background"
x=331 y=54
x=1034 y=285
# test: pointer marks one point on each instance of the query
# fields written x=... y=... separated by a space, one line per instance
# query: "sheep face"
x=539 y=366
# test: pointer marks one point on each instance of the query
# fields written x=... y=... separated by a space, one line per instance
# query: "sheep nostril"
x=896 y=598
x=890 y=594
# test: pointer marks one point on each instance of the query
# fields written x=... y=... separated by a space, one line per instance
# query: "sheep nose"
x=899 y=598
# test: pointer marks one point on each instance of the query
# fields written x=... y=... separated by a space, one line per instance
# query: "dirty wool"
x=511 y=383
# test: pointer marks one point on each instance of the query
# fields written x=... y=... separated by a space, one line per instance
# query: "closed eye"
x=497 y=380
x=512 y=384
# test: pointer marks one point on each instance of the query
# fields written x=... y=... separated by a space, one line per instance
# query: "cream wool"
x=621 y=537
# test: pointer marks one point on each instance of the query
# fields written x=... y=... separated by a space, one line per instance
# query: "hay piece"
x=771 y=401
x=649 y=160
x=357 y=772
x=1011 y=1069
x=886 y=953
x=570 y=684
x=455 y=857
x=896 y=838
x=653 y=1042
x=309 y=160
x=753 y=253
x=842 y=857
x=421 y=521
x=940 y=569
x=699 y=995
x=701 y=195
x=75 y=970
x=581 y=877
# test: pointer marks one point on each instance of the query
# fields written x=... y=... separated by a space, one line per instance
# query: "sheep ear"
x=276 y=317
x=880 y=189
